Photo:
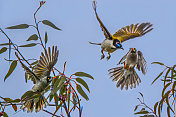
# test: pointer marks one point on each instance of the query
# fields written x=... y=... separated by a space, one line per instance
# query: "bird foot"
x=108 y=57
x=102 y=56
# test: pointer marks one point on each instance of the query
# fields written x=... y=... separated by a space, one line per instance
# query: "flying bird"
x=113 y=42
x=40 y=75
x=126 y=74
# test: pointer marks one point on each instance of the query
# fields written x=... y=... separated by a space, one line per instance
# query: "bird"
x=113 y=42
x=126 y=75
x=40 y=75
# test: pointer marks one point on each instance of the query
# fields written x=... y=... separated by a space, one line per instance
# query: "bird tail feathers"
x=124 y=77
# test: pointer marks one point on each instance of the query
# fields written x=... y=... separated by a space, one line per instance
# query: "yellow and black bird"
x=113 y=42
x=126 y=75
x=40 y=75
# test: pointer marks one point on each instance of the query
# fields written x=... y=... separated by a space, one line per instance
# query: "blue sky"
x=78 y=22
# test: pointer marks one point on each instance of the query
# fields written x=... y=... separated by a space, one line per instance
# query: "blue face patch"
x=118 y=45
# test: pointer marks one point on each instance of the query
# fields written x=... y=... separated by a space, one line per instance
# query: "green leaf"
x=57 y=108
x=32 y=37
x=50 y=97
x=81 y=81
x=46 y=38
x=27 y=94
x=3 y=50
x=20 y=26
x=56 y=99
x=168 y=111
x=157 y=77
x=68 y=98
x=11 y=69
x=26 y=77
x=5 y=114
x=165 y=88
x=83 y=75
x=16 y=100
x=81 y=92
x=28 y=45
x=4 y=44
x=141 y=112
x=155 y=106
x=7 y=99
x=166 y=75
x=141 y=94
x=173 y=89
x=157 y=63
x=61 y=83
x=136 y=107
x=74 y=101
x=46 y=22
x=14 y=107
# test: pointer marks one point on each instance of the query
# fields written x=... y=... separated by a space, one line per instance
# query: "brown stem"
x=37 y=28
x=79 y=105
x=50 y=113
x=15 y=47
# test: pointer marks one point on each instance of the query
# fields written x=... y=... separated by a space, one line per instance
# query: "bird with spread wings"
x=126 y=75
x=40 y=75
x=113 y=42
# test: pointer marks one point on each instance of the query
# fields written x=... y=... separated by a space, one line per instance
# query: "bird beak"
x=122 y=48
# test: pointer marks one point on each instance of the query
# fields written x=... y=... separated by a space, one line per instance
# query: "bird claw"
x=102 y=56
x=108 y=57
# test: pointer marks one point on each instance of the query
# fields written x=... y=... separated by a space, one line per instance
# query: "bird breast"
x=40 y=86
x=131 y=59
x=107 y=45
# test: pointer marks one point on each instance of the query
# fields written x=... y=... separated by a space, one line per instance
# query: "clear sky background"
x=78 y=22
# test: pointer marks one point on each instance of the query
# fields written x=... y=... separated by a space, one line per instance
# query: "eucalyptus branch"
x=79 y=105
x=37 y=28
x=14 y=46
x=65 y=107
x=50 y=113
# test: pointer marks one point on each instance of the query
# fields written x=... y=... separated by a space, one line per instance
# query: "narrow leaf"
x=141 y=94
x=157 y=63
x=157 y=77
x=3 y=50
x=28 y=45
x=81 y=92
x=7 y=99
x=155 y=106
x=74 y=101
x=5 y=114
x=14 y=107
x=166 y=75
x=46 y=22
x=142 y=112
x=35 y=62
x=20 y=26
x=83 y=75
x=165 y=88
x=4 y=44
x=136 y=107
x=27 y=94
x=32 y=37
x=168 y=111
x=16 y=100
x=56 y=99
x=81 y=81
x=46 y=38
x=11 y=69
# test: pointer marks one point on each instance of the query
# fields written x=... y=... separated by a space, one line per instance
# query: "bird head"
x=117 y=44
x=133 y=50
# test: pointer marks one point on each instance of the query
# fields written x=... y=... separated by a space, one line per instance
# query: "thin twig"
x=51 y=113
x=79 y=105
x=15 y=47
x=37 y=28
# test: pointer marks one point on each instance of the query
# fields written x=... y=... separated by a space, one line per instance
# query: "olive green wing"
x=132 y=31
x=30 y=74
x=46 y=62
x=103 y=28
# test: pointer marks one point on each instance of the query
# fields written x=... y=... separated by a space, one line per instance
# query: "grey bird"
x=113 y=42
x=126 y=75
x=40 y=75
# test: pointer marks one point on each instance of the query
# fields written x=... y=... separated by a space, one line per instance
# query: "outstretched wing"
x=103 y=28
x=132 y=31
x=46 y=62
x=141 y=64
x=30 y=74
x=123 y=58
